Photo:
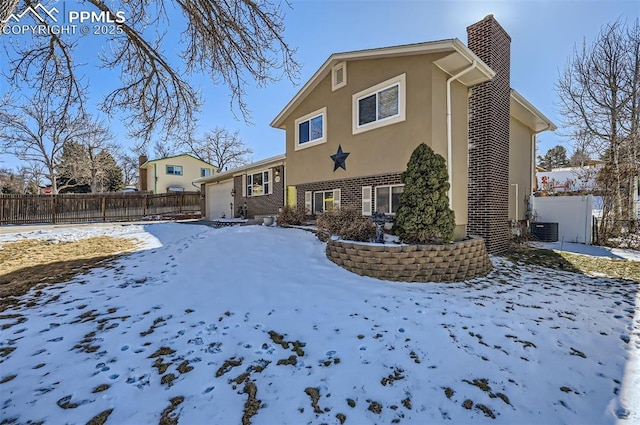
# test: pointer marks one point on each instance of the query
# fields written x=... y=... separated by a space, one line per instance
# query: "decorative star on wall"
x=339 y=158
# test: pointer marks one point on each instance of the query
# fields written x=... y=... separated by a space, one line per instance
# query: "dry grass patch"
x=252 y=405
x=578 y=263
x=314 y=394
x=28 y=263
x=168 y=417
x=100 y=418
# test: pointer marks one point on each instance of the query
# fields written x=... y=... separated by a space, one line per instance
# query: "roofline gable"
x=529 y=115
x=454 y=45
x=274 y=160
x=144 y=165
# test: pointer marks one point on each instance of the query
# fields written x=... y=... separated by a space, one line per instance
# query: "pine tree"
x=72 y=170
x=108 y=173
x=556 y=157
x=423 y=214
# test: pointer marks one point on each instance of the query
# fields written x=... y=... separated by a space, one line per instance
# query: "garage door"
x=219 y=199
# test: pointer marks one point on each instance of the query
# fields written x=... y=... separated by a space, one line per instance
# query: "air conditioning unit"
x=545 y=232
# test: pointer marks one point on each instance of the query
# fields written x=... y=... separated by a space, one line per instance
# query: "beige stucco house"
x=350 y=130
x=352 y=127
x=525 y=123
x=172 y=174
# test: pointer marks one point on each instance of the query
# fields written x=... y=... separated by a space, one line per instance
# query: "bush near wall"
x=347 y=223
x=423 y=214
x=453 y=262
x=289 y=216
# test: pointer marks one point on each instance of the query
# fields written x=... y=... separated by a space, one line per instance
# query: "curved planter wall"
x=454 y=262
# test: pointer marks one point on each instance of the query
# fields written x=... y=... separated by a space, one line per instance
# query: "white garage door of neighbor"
x=219 y=199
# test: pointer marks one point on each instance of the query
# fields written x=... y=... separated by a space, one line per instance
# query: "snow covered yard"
x=255 y=325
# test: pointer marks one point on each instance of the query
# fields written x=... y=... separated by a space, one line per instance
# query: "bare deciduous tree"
x=231 y=41
x=11 y=182
x=583 y=149
x=218 y=147
x=33 y=175
x=128 y=162
x=6 y=9
x=600 y=95
x=163 y=149
x=37 y=130
x=85 y=160
x=96 y=144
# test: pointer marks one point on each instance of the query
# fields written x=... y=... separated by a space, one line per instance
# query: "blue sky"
x=543 y=35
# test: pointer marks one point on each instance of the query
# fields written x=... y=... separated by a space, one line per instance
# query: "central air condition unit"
x=545 y=232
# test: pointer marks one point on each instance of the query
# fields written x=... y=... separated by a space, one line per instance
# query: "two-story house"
x=173 y=173
x=352 y=127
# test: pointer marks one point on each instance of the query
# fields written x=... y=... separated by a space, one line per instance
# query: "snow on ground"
x=215 y=324
x=71 y=234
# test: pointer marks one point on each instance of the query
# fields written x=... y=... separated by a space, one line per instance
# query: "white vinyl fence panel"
x=572 y=213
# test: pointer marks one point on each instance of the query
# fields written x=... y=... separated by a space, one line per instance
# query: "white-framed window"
x=388 y=198
x=325 y=200
x=258 y=184
x=380 y=105
x=175 y=170
x=311 y=129
x=338 y=76
x=204 y=172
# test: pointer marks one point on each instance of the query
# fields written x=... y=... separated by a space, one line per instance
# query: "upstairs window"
x=311 y=129
x=175 y=170
x=204 y=172
x=380 y=105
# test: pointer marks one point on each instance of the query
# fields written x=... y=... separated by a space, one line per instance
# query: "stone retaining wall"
x=454 y=262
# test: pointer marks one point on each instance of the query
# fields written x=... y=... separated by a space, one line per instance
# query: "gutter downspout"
x=155 y=179
x=285 y=196
x=516 y=203
x=474 y=65
x=534 y=178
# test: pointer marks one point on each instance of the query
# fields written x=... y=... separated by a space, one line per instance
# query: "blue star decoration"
x=339 y=159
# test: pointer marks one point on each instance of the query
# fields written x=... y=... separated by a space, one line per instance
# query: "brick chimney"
x=489 y=137
x=142 y=173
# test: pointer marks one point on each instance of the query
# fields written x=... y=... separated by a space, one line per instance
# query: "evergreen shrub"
x=423 y=214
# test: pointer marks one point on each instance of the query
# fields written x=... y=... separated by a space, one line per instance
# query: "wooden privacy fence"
x=75 y=208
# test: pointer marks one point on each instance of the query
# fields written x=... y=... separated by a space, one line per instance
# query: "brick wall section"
x=142 y=173
x=260 y=205
x=454 y=262
x=350 y=189
x=489 y=137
